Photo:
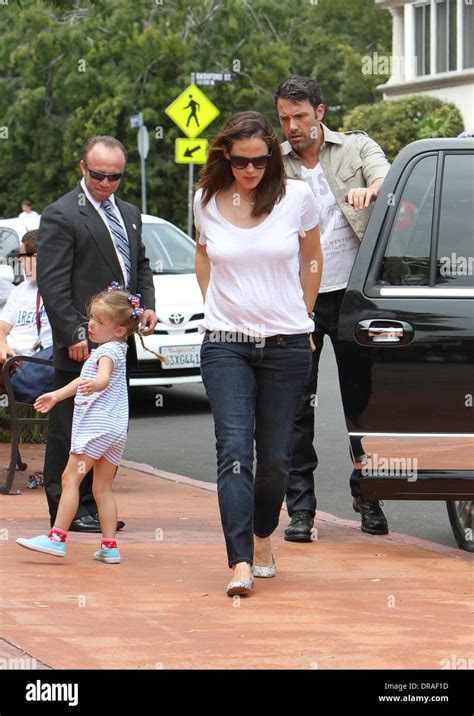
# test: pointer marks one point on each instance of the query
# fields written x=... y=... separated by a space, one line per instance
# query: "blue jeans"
x=254 y=391
x=355 y=383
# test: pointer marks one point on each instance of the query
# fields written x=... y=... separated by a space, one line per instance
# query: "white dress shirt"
x=97 y=206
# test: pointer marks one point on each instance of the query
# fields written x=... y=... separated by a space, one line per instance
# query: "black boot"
x=299 y=529
x=373 y=519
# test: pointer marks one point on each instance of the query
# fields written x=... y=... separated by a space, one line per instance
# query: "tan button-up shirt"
x=348 y=160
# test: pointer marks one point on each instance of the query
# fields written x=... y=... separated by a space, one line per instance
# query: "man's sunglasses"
x=99 y=176
x=242 y=162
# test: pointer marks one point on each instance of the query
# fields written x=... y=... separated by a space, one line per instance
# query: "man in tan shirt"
x=345 y=171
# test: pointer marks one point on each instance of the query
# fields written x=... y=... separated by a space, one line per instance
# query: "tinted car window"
x=406 y=260
x=167 y=249
x=456 y=222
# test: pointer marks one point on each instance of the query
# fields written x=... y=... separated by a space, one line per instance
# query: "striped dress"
x=100 y=422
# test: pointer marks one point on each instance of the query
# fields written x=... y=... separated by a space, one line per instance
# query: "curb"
x=396 y=537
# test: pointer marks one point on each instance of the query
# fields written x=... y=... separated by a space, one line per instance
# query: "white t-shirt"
x=255 y=287
x=20 y=312
x=31 y=219
x=338 y=241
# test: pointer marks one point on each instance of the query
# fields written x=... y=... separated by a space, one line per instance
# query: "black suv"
x=408 y=314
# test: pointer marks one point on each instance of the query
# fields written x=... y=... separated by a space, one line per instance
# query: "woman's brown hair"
x=217 y=172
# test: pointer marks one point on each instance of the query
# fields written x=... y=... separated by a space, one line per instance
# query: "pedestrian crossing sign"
x=192 y=111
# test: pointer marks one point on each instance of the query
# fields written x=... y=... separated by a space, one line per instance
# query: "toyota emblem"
x=176 y=318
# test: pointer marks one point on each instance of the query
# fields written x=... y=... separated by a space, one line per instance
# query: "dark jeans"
x=351 y=364
x=254 y=392
x=57 y=453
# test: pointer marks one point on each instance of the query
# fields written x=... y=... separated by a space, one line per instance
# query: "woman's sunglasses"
x=99 y=176
x=242 y=162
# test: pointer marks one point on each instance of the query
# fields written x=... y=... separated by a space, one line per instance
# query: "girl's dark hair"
x=118 y=302
x=30 y=240
x=297 y=89
x=217 y=172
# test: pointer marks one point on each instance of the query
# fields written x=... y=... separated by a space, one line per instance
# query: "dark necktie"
x=120 y=237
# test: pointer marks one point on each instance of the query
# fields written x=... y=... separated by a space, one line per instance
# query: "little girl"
x=100 y=421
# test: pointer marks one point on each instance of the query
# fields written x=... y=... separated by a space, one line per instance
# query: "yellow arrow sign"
x=192 y=111
x=191 y=151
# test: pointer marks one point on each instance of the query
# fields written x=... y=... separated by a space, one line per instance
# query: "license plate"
x=181 y=357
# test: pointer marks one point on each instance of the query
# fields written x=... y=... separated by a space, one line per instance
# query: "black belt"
x=255 y=339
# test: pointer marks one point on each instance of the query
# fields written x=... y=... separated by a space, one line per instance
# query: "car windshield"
x=167 y=249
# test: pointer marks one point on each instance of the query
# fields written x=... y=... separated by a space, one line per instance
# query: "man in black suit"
x=87 y=239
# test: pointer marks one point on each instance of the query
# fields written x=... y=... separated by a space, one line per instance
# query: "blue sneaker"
x=111 y=556
x=42 y=543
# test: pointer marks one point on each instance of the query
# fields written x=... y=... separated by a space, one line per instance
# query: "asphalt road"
x=172 y=429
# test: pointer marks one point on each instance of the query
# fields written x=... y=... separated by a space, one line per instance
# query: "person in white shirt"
x=345 y=171
x=24 y=324
x=258 y=264
x=29 y=216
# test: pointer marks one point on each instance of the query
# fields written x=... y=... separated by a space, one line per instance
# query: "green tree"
x=396 y=123
x=72 y=69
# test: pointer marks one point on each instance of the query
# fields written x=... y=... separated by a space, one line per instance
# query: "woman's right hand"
x=45 y=402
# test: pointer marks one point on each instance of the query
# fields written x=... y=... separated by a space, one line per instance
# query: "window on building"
x=437 y=28
x=446 y=37
x=422 y=38
x=468 y=35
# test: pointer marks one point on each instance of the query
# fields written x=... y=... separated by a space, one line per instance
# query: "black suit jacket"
x=76 y=260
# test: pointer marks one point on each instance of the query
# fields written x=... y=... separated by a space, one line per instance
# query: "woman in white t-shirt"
x=258 y=264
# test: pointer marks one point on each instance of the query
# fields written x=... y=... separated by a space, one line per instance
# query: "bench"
x=15 y=421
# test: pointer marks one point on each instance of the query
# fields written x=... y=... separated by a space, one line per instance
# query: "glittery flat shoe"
x=264 y=571
x=240 y=586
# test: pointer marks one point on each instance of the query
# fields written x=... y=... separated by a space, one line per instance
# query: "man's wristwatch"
x=311 y=315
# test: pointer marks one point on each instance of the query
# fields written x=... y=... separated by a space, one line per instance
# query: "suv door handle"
x=383 y=332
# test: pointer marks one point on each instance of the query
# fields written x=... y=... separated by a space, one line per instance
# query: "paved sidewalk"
x=346 y=601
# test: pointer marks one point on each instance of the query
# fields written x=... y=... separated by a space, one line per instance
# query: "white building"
x=433 y=51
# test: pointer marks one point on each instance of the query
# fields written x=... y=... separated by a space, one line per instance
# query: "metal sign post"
x=190 y=199
x=143 y=142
